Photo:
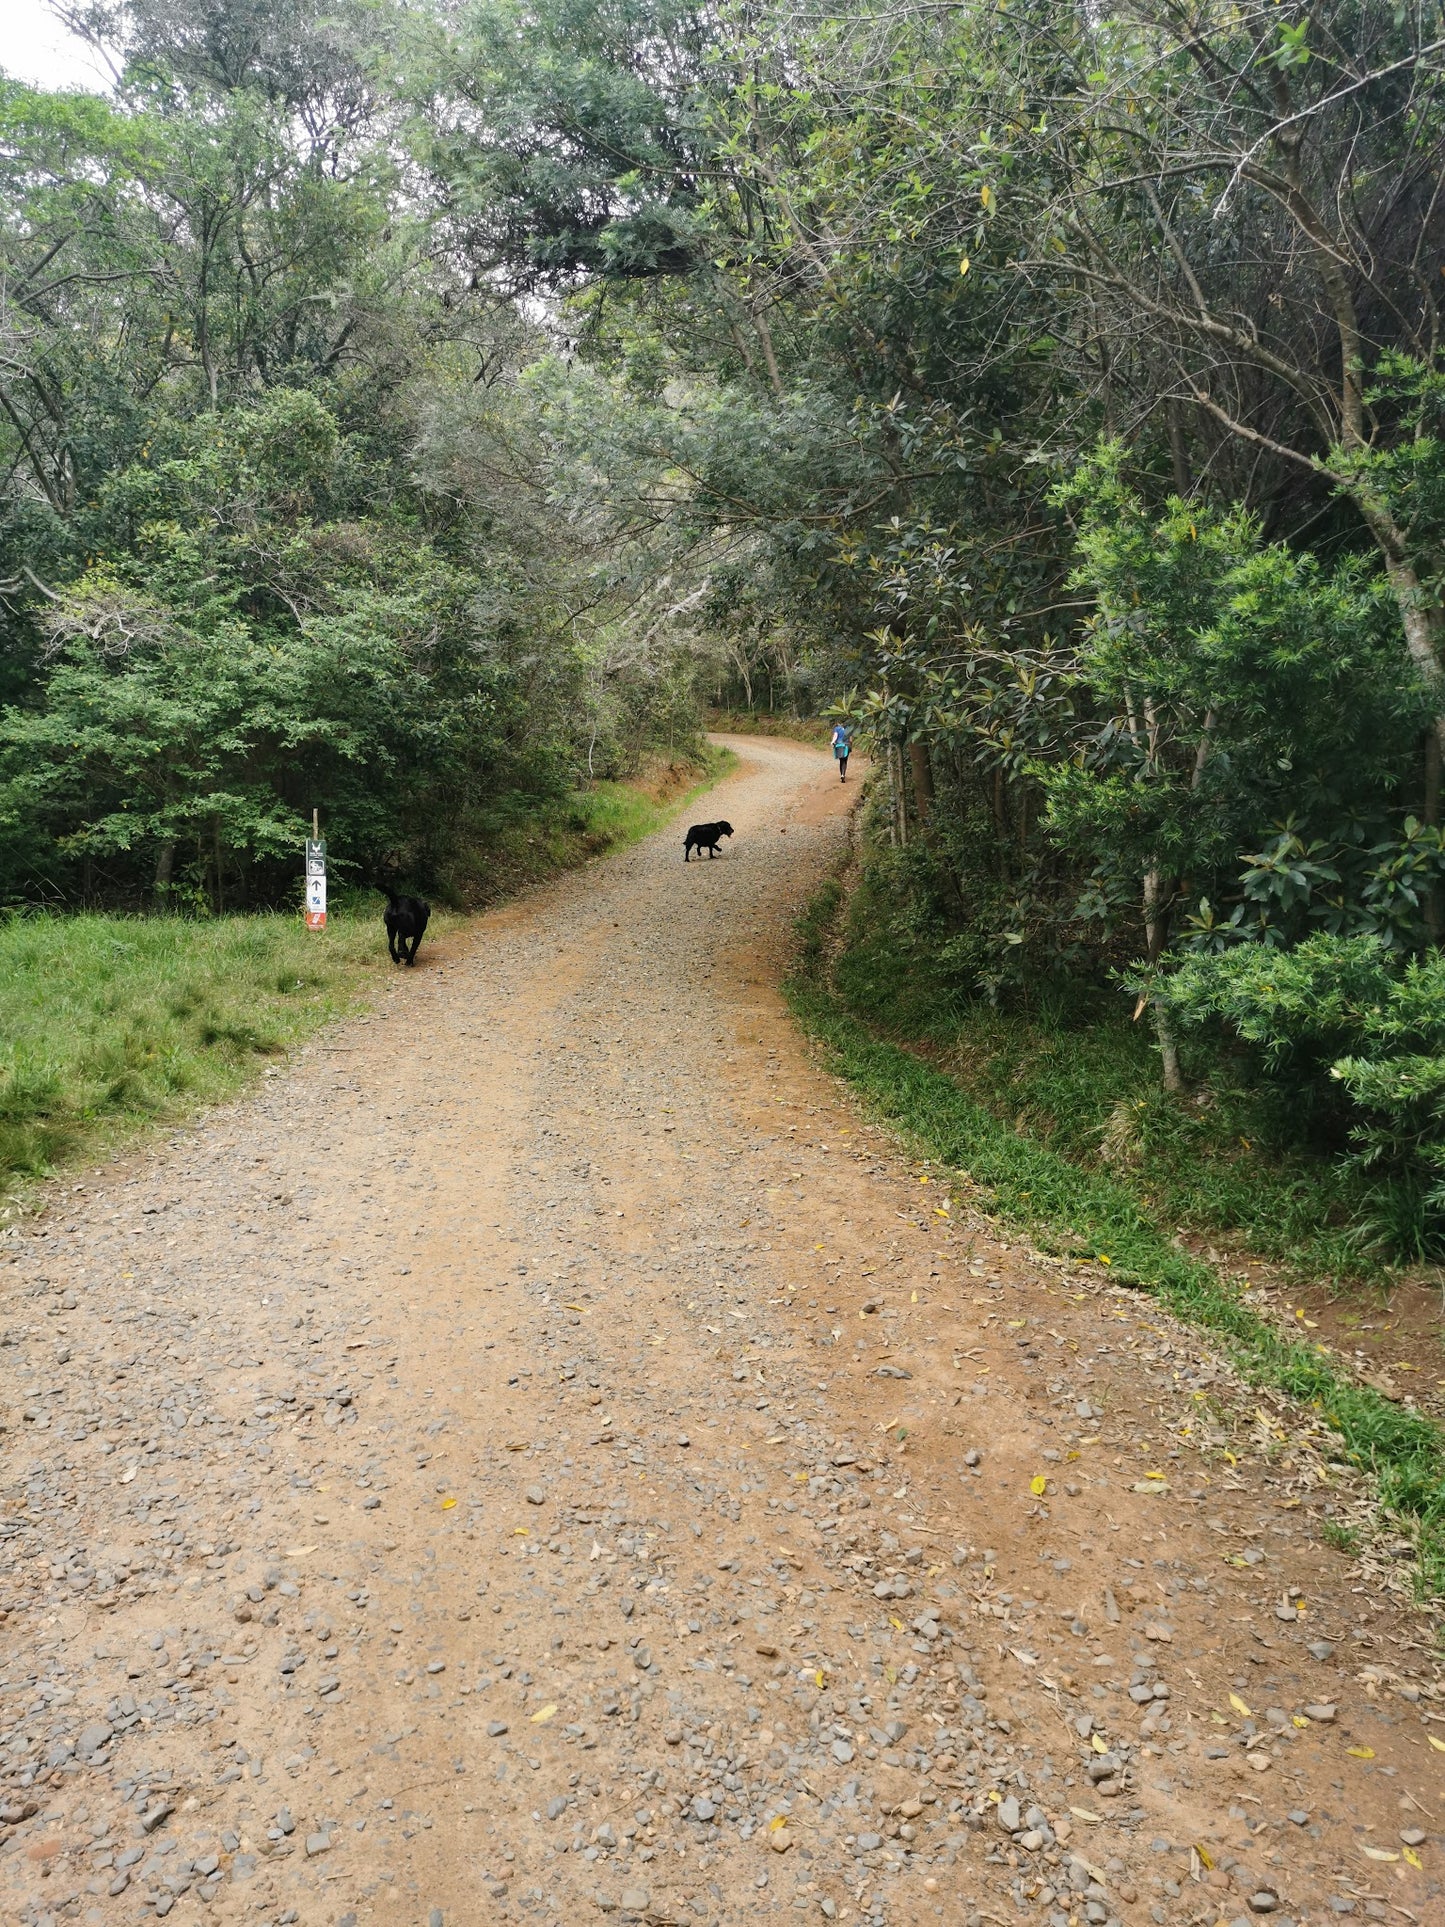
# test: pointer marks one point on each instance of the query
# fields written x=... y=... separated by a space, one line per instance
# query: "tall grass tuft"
x=107 y=1021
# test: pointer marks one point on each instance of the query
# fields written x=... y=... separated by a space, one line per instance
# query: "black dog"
x=406 y=919
x=705 y=836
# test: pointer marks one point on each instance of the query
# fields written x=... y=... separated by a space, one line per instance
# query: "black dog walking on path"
x=405 y=919
x=705 y=836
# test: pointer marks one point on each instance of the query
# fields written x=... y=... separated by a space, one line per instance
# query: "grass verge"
x=111 y=1024
x=1244 y=1161
x=527 y=843
x=1094 y=1216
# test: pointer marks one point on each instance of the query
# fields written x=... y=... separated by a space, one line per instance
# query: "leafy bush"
x=1246 y=722
x=1359 y=1033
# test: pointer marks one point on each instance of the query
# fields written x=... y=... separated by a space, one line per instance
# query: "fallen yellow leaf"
x=1361 y=1752
x=447 y=1504
x=1083 y=1813
x=1414 y=1858
x=1038 y=1485
x=1098 y=1742
x=1439 y=1745
x=780 y=1819
x=543 y=1714
x=1239 y=1706
x=820 y=1678
x=1379 y=1853
x=1204 y=1859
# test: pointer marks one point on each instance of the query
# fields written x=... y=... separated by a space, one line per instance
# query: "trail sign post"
x=315 y=877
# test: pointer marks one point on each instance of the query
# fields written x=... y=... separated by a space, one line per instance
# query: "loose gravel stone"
x=495 y=1372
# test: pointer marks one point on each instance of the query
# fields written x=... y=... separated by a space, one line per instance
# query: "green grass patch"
x=109 y=1024
x=624 y=813
x=1093 y=1215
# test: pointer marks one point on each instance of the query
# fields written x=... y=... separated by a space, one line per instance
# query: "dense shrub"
x=1353 y=1028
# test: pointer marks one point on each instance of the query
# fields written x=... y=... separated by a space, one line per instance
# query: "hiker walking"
x=842 y=748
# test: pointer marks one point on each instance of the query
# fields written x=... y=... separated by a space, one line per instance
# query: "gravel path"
x=546 y=1453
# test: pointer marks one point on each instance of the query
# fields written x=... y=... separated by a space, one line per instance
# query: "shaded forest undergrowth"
x=1236 y=1158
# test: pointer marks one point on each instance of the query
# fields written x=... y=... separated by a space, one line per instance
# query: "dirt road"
x=546 y=1453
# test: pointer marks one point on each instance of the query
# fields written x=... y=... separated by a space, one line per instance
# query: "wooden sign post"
x=315 y=876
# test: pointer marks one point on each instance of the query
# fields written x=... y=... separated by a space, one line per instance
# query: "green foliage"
x=1248 y=1156
x=1341 y=1016
x=232 y=659
x=1232 y=684
x=570 y=147
x=282 y=526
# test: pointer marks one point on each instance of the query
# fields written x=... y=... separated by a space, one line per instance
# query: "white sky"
x=34 y=47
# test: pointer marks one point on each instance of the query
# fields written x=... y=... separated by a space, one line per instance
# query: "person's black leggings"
x=842 y=769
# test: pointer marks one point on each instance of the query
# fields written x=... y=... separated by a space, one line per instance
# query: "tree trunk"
x=1178 y=449
x=1168 y=1051
x=1430 y=812
x=1424 y=625
x=765 y=338
x=922 y=781
x=1156 y=917
x=165 y=867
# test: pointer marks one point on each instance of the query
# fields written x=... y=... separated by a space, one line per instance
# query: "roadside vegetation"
x=1081 y=1211
x=1240 y=1160
x=767 y=722
x=110 y=1024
